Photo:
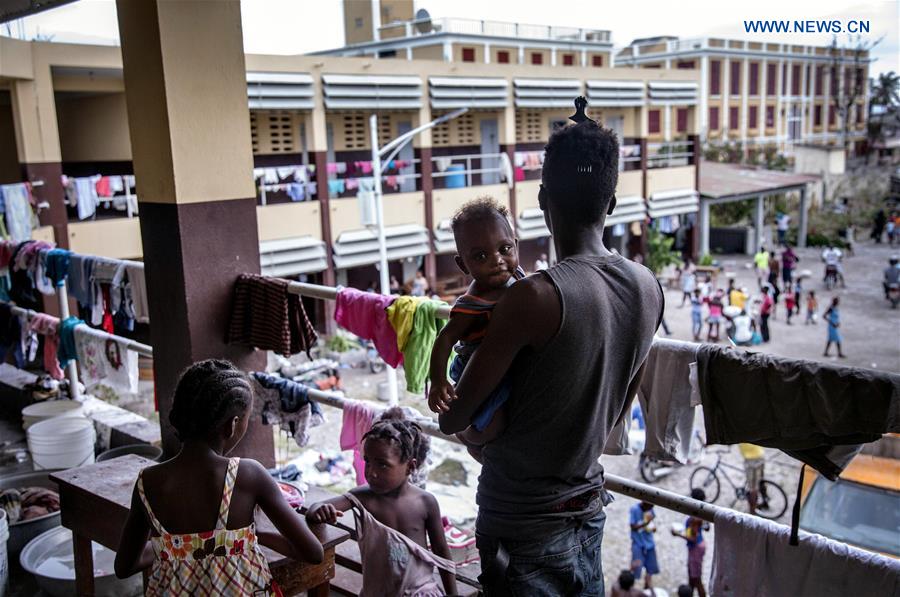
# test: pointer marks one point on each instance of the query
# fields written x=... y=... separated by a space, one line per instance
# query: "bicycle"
x=772 y=500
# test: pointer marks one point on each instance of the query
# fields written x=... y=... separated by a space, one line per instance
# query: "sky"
x=300 y=26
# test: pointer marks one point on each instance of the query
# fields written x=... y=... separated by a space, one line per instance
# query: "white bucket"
x=4 y=557
x=41 y=411
x=61 y=443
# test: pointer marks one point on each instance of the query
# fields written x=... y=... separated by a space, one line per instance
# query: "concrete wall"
x=630 y=183
x=93 y=128
x=447 y=201
x=399 y=208
x=818 y=160
x=289 y=220
x=118 y=238
x=669 y=179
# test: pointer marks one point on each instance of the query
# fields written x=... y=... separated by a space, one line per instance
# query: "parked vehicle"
x=862 y=507
x=894 y=295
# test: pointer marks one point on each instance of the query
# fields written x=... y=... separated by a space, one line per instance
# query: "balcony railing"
x=670 y=155
x=492 y=29
x=460 y=171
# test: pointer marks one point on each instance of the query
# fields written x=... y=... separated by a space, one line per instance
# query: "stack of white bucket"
x=62 y=442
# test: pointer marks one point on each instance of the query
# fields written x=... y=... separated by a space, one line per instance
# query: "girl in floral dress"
x=197 y=509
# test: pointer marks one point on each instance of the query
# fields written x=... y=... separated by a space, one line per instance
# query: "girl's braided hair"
x=393 y=426
x=208 y=394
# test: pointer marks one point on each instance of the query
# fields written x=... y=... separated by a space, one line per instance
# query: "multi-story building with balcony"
x=63 y=112
x=760 y=93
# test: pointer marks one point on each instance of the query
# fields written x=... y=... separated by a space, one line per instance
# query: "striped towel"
x=265 y=315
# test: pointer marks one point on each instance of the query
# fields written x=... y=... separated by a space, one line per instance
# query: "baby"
x=487 y=251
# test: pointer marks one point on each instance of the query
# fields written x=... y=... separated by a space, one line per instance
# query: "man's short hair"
x=581 y=169
x=626 y=580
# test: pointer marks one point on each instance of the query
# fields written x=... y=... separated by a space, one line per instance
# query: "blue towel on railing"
x=58 y=266
x=66 y=351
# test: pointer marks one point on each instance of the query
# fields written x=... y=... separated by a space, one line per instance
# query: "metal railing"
x=488 y=165
x=670 y=155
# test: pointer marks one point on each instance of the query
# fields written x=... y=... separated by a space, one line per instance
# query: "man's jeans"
x=567 y=563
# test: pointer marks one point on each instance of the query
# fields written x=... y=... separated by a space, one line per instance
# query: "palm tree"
x=885 y=91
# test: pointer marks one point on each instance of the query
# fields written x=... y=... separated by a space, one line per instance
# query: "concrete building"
x=63 y=111
x=763 y=94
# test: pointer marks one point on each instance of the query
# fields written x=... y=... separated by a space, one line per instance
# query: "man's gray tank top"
x=566 y=397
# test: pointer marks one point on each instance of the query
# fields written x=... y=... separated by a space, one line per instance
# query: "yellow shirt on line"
x=751 y=451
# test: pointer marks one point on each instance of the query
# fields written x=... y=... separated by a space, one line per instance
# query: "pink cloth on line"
x=357 y=421
x=396 y=564
x=363 y=313
x=44 y=324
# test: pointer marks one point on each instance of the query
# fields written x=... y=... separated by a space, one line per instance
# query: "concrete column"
x=318 y=145
x=745 y=94
x=725 y=81
x=779 y=103
x=448 y=52
x=583 y=64
x=185 y=78
x=763 y=87
x=704 y=98
x=487 y=58
x=552 y=56
x=804 y=219
x=667 y=122
x=759 y=221
x=703 y=223
x=521 y=54
x=38 y=147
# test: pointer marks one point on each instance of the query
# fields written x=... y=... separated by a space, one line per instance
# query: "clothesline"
x=330 y=293
x=655 y=495
x=142 y=349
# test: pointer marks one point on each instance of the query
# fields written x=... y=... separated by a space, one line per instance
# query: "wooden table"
x=95 y=501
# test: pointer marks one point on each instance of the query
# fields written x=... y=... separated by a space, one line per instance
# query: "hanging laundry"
x=331 y=168
x=357 y=421
x=81 y=268
x=58 y=266
x=341 y=168
x=6 y=252
x=270 y=175
x=107 y=276
x=618 y=230
x=116 y=184
x=86 y=196
x=17 y=206
x=401 y=314
x=128 y=179
x=391 y=181
x=22 y=290
x=363 y=313
x=402 y=164
x=38 y=273
x=45 y=325
x=752 y=556
x=311 y=189
x=366 y=167
x=519 y=159
x=443 y=163
x=28 y=339
x=258 y=173
x=519 y=174
x=392 y=165
x=665 y=398
x=301 y=174
x=336 y=186
x=352 y=184
x=294 y=411
x=265 y=315
x=804 y=409
x=104 y=361
x=296 y=192
x=137 y=306
x=417 y=353
x=311 y=168
x=10 y=336
x=66 y=332
x=284 y=171
x=103 y=187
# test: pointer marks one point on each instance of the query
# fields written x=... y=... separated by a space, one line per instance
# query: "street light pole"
x=377 y=152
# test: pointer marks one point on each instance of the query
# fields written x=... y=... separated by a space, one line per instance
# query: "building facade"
x=765 y=94
x=63 y=112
